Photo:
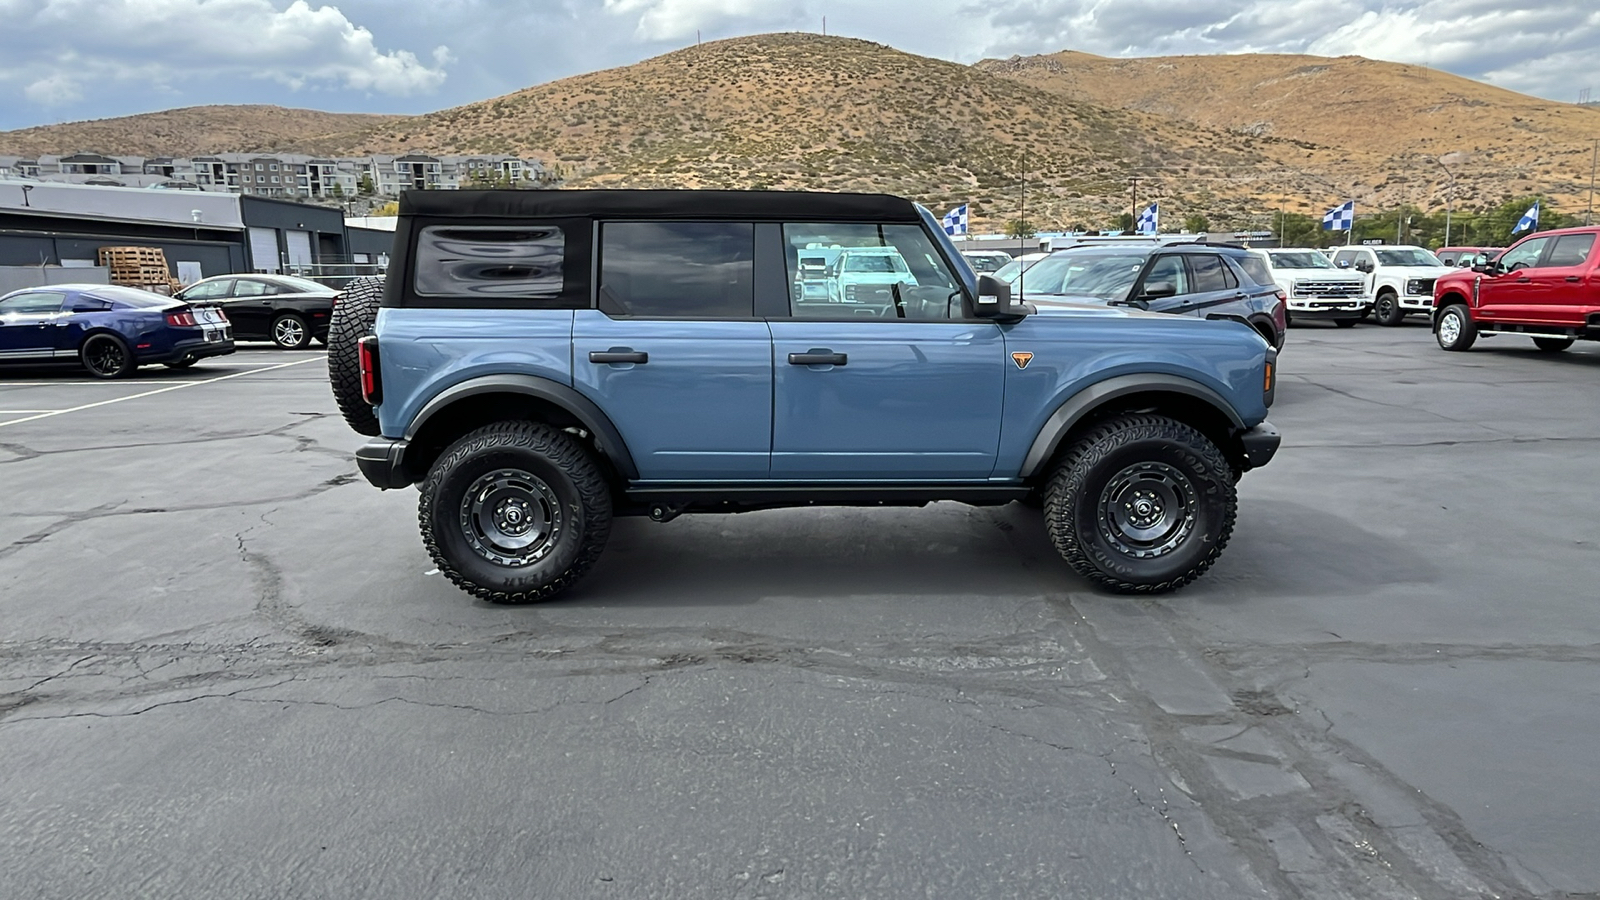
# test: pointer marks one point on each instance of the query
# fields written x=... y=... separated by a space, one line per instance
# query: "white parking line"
x=12 y=384
x=160 y=390
x=23 y=412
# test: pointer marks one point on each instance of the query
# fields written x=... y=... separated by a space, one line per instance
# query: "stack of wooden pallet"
x=140 y=267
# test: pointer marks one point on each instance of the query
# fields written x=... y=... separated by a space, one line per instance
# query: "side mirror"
x=994 y=301
x=1155 y=290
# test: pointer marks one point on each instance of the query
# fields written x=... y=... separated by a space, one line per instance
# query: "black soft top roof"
x=793 y=206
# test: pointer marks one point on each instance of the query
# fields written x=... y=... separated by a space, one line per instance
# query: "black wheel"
x=290 y=331
x=1141 y=504
x=184 y=363
x=1387 y=310
x=352 y=320
x=1345 y=323
x=1455 y=329
x=515 y=512
x=1552 y=345
x=106 y=356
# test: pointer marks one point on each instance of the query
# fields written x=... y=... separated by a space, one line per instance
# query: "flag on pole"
x=955 y=221
x=1530 y=219
x=1340 y=218
x=1149 y=220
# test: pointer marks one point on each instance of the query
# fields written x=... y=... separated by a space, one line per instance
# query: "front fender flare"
x=1085 y=401
x=606 y=436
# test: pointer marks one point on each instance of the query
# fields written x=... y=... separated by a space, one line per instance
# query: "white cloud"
x=59 y=47
x=673 y=20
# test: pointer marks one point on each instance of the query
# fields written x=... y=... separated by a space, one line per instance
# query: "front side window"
x=470 y=261
x=1171 y=270
x=1210 y=274
x=678 y=269
x=1524 y=254
x=33 y=302
x=854 y=270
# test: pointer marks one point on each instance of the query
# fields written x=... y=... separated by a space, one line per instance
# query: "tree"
x=1195 y=223
x=338 y=191
x=1125 y=221
x=392 y=208
x=365 y=185
x=1020 y=229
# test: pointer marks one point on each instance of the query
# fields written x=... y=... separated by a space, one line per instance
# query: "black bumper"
x=198 y=348
x=382 y=461
x=1259 y=443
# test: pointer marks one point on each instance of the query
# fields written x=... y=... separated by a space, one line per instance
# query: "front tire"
x=1455 y=330
x=1552 y=345
x=1387 y=310
x=515 y=512
x=1141 y=504
x=290 y=331
x=106 y=356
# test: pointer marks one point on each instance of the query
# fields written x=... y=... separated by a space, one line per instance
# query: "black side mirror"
x=1155 y=290
x=994 y=301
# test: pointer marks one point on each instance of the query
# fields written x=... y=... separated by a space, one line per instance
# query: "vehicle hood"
x=1064 y=304
x=1418 y=271
x=1318 y=274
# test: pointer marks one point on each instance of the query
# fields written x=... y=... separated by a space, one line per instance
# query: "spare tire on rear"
x=353 y=318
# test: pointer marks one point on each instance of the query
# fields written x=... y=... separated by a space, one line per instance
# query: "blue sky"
x=65 y=60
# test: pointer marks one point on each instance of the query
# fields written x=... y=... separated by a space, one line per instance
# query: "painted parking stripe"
x=23 y=412
x=160 y=390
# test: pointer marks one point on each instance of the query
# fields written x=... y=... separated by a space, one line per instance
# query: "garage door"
x=264 y=250
x=299 y=247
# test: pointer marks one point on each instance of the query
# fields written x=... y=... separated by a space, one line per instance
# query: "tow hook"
x=662 y=512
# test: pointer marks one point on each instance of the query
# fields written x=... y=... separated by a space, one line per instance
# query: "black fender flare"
x=606 y=436
x=1085 y=401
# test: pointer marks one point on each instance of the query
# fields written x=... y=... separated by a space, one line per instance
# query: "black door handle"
x=1524 y=280
x=618 y=356
x=1574 y=279
x=818 y=358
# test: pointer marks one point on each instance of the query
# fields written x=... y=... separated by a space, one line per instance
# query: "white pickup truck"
x=1316 y=288
x=1399 y=278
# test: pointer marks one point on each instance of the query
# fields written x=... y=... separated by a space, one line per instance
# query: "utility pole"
x=1135 y=182
x=1588 y=218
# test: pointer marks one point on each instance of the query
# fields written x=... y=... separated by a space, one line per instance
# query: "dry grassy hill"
x=1400 y=114
x=189 y=131
x=805 y=111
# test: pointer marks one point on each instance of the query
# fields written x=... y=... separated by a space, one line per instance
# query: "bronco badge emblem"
x=1022 y=358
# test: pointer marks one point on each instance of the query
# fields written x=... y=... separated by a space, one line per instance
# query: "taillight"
x=182 y=319
x=367 y=363
x=222 y=315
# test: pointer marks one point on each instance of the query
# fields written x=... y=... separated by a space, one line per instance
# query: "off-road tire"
x=1386 y=309
x=352 y=320
x=1552 y=345
x=106 y=355
x=536 y=452
x=1078 y=494
x=284 y=333
x=1455 y=329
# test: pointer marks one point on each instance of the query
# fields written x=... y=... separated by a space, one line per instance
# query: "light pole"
x=1450 y=192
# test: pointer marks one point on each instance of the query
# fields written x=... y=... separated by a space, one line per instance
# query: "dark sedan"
x=285 y=310
x=109 y=330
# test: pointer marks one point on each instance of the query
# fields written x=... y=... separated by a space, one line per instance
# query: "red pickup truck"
x=1546 y=286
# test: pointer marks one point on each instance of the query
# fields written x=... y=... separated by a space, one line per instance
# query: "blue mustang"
x=109 y=330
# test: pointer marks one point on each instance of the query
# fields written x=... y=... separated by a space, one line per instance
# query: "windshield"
x=1103 y=276
x=988 y=262
x=873 y=264
x=1407 y=257
x=1299 y=259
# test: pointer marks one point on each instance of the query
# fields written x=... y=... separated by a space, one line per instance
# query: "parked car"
x=1316 y=289
x=985 y=261
x=866 y=274
x=109 y=330
x=283 y=309
x=1193 y=279
x=1460 y=257
x=1545 y=286
x=1011 y=271
x=1398 y=277
x=660 y=365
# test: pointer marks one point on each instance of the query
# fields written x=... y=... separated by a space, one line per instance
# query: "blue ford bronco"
x=539 y=362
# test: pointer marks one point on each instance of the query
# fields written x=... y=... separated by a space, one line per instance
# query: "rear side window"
x=1570 y=250
x=1256 y=269
x=1210 y=274
x=678 y=269
x=487 y=262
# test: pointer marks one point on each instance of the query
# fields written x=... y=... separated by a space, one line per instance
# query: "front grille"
x=1327 y=288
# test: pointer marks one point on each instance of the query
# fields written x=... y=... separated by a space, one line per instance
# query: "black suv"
x=1194 y=279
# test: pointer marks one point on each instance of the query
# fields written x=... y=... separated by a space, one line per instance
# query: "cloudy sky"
x=64 y=60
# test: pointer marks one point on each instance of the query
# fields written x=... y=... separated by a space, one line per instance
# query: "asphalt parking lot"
x=228 y=669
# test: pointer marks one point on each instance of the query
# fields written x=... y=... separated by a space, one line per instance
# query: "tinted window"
x=467 y=261
x=249 y=287
x=33 y=302
x=1210 y=274
x=1169 y=269
x=1407 y=257
x=1571 y=250
x=209 y=290
x=873 y=271
x=1256 y=269
x=1524 y=254
x=677 y=269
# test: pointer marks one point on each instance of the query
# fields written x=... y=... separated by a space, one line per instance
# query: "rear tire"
x=1387 y=310
x=106 y=356
x=353 y=318
x=1141 y=504
x=290 y=331
x=1552 y=345
x=515 y=512
x=1455 y=329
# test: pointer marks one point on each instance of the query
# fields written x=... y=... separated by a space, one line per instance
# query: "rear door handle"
x=618 y=356
x=818 y=358
x=1524 y=280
